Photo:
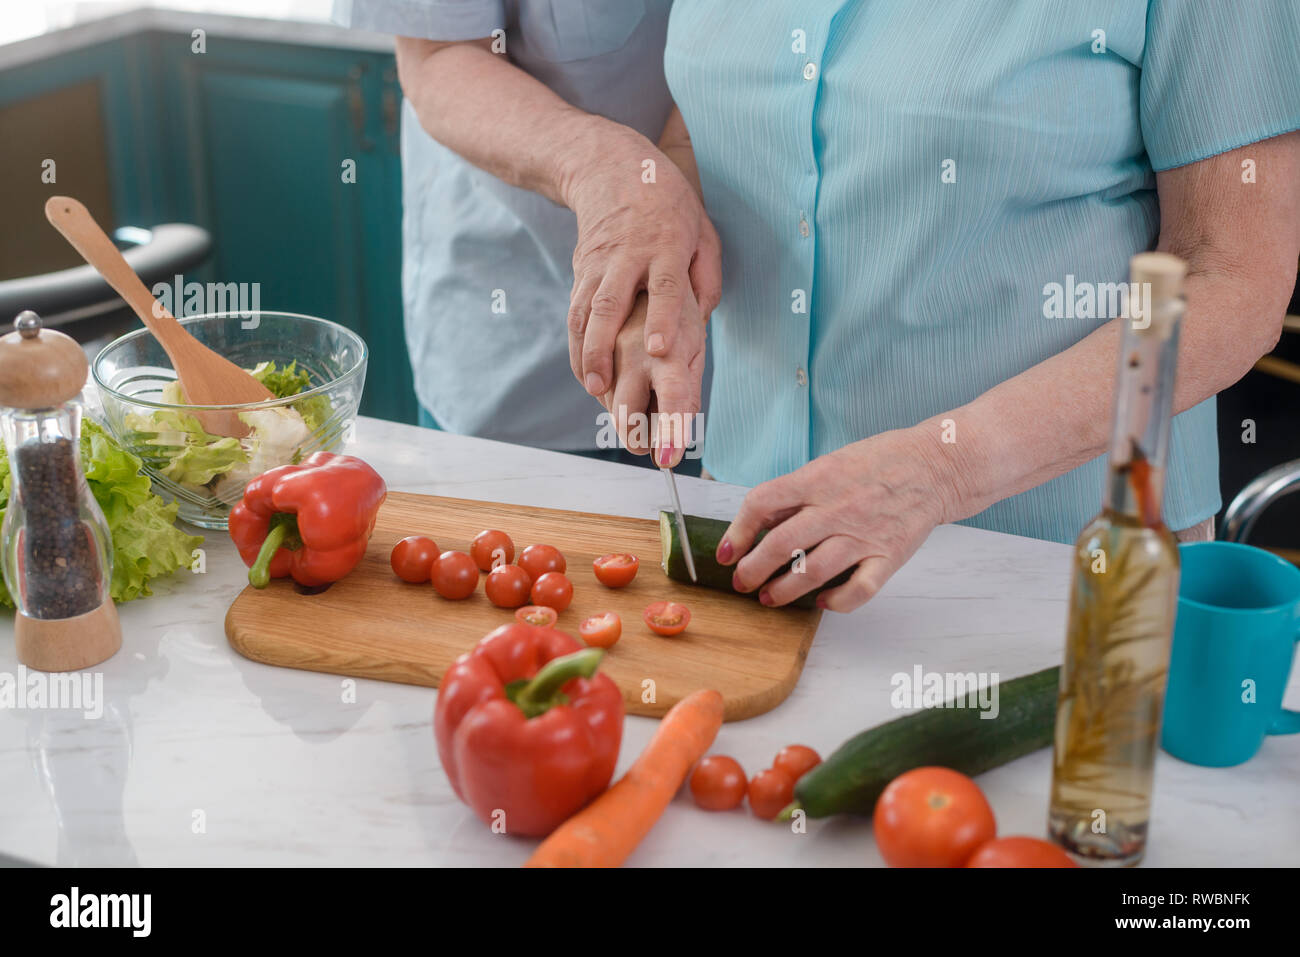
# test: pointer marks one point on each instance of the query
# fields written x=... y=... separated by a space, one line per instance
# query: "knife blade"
x=681 y=523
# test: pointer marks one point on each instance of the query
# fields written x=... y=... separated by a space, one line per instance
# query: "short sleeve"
x=448 y=20
x=1217 y=75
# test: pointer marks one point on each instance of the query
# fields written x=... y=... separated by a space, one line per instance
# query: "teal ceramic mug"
x=1234 y=640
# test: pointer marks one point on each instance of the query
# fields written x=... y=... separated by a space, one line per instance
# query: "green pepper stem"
x=259 y=575
x=543 y=691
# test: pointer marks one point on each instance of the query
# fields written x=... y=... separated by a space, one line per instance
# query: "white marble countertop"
x=42 y=30
x=279 y=772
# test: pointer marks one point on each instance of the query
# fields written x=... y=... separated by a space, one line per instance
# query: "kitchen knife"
x=681 y=523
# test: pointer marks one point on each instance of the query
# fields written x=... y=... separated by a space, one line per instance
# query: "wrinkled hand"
x=869 y=504
x=634 y=236
x=658 y=394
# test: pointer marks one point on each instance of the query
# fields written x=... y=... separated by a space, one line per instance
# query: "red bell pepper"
x=311 y=521
x=527 y=731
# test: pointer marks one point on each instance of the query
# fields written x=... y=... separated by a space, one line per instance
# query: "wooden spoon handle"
x=79 y=228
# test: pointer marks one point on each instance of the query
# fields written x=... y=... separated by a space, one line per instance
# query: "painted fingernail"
x=655 y=344
x=724 y=551
x=666 y=456
x=821 y=602
x=765 y=597
x=595 y=384
x=736 y=583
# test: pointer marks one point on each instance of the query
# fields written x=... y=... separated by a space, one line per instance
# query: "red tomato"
x=552 y=590
x=796 y=760
x=537 y=560
x=491 y=548
x=1020 y=852
x=667 y=617
x=616 y=569
x=718 y=783
x=413 y=558
x=454 y=575
x=932 y=817
x=538 y=615
x=770 y=792
x=601 y=631
x=507 y=586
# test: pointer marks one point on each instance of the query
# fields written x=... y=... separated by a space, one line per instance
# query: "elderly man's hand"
x=641 y=226
x=653 y=398
x=869 y=504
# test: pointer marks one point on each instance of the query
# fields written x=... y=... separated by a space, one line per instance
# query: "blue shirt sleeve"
x=1217 y=76
x=448 y=20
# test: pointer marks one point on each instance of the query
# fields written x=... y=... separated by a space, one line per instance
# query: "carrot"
x=608 y=829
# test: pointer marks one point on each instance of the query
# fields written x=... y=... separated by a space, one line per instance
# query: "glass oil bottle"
x=1123 y=599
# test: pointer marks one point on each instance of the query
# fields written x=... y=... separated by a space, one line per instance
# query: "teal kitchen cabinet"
x=249 y=139
x=289 y=156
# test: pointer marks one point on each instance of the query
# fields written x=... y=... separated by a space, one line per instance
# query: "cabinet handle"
x=357 y=107
x=390 y=111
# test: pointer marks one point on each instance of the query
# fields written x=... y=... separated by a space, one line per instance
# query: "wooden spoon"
x=206 y=378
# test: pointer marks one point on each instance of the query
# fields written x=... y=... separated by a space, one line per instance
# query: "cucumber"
x=705 y=534
x=850 y=780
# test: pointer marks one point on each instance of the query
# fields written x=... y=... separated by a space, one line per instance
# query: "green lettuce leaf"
x=289 y=380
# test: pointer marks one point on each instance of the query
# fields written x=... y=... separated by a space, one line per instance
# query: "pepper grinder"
x=57 y=553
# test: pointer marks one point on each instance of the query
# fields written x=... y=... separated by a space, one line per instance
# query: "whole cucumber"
x=851 y=779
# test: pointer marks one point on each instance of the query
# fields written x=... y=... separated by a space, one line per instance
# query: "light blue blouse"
x=896 y=182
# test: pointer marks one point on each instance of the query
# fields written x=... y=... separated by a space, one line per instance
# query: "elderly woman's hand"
x=641 y=226
x=869 y=504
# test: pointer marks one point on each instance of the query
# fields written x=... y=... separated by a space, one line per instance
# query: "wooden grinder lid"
x=39 y=368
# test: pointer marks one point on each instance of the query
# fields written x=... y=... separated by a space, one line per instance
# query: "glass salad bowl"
x=314 y=367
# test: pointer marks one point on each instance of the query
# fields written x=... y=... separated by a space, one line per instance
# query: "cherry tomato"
x=491 y=548
x=616 y=569
x=796 y=760
x=601 y=631
x=1020 y=852
x=537 y=560
x=553 y=590
x=454 y=575
x=769 y=793
x=932 y=817
x=507 y=586
x=667 y=617
x=718 y=783
x=538 y=615
x=413 y=558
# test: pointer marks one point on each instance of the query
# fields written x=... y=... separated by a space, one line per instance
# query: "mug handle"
x=1288 y=722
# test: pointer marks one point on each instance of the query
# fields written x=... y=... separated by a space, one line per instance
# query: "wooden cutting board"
x=373 y=625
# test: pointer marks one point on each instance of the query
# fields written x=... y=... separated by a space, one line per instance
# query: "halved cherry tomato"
x=796 y=760
x=616 y=569
x=413 y=558
x=553 y=590
x=932 y=817
x=538 y=615
x=491 y=548
x=770 y=792
x=1020 y=852
x=454 y=575
x=667 y=618
x=507 y=586
x=718 y=783
x=601 y=631
x=537 y=560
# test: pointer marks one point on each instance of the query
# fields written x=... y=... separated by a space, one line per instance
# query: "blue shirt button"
x=810 y=71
